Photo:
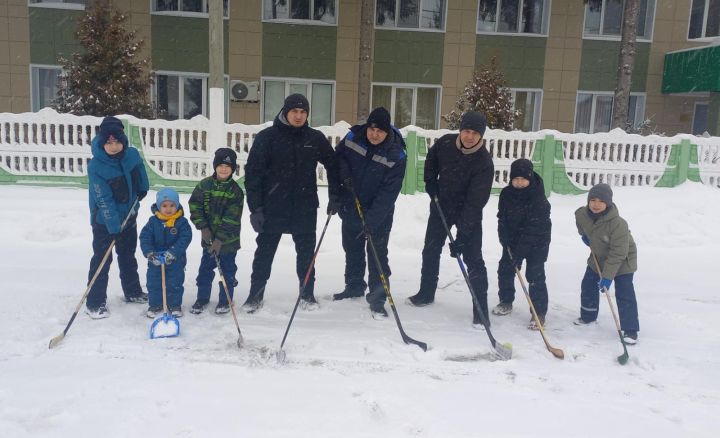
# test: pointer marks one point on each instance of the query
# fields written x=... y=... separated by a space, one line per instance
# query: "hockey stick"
x=56 y=340
x=555 y=351
x=407 y=339
x=280 y=355
x=504 y=351
x=229 y=299
x=623 y=358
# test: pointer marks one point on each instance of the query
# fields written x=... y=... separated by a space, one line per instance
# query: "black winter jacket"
x=376 y=172
x=463 y=182
x=280 y=176
x=524 y=220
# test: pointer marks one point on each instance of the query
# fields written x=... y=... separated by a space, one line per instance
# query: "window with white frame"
x=513 y=16
x=416 y=105
x=180 y=96
x=604 y=18
x=529 y=103
x=704 y=19
x=700 y=118
x=44 y=85
x=186 y=6
x=593 y=111
x=319 y=93
x=411 y=14
x=64 y=4
x=322 y=11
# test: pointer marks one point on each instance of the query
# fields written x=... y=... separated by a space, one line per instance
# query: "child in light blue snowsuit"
x=164 y=239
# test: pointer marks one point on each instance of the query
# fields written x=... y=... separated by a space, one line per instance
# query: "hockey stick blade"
x=408 y=340
x=56 y=340
x=503 y=351
x=623 y=358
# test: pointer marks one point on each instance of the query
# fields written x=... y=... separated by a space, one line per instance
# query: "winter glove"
x=154 y=259
x=333 y=205
x=257 y=220
x=207 y=235
x=585 y=240
x=458 y=246
x=169 y=258
x=431 y=188
x=214 y=249
x=604 y=284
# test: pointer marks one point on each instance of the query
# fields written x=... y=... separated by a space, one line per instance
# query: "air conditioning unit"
x=241 y=91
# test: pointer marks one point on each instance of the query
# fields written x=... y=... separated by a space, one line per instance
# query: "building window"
x=604 y=18
x=60 y=4
x=186 y=6
x=704 y=19
x=700 y=118
x=411 y=14
x=593 y=111
x=409 y=104
x=44 y=85
x=529 y=103
x=513 y=16
x=318 y=93
x=180 y=96
x=321 y=11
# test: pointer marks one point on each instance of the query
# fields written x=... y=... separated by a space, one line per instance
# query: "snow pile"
x=347 y=374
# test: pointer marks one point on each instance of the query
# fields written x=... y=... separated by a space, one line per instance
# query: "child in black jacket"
x=524 y=230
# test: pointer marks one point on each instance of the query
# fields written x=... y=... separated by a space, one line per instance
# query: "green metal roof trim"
x=692 y=70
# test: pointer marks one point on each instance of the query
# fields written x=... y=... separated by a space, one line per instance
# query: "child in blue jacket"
x=116 y=178
x=165 y=238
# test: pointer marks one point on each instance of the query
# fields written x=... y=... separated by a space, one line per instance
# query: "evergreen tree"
x=108 y=78
x=488 y=93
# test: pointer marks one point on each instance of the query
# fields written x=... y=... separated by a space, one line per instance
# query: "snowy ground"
x=347 y=374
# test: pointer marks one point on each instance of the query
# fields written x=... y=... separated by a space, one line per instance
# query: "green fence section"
x=682 y=165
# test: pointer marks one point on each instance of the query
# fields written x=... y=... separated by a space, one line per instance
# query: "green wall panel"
x=181 y=43
x=408 y=57
x=599 y=62
x=692 y=71
x=52 y=34
x=521 y=58
x=301 y=51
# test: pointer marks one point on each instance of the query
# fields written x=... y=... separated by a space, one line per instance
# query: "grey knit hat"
x=602 y=192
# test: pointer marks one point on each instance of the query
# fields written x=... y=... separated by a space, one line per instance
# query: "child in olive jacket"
x=607 y=234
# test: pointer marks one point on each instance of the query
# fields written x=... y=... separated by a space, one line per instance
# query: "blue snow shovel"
x=166 y=326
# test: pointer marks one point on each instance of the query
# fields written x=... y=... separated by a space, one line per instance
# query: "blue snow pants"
x=624 y=295
x=174 y=283
x=206 y=274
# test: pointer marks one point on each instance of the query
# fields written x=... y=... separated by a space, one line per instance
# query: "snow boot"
x=153 y=311
x=251 y=306
x=309 y=303
x=630 y=337
x=349 y=292
x=99 y=312
x=581 y=321
x=420 y=300
x=198 y=307
x=502 y=309
x=141 y=298
x=533 y=325
x=378 y=311
x=176 y=311
x=222 y=309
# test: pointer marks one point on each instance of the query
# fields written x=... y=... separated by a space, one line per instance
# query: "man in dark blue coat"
x=372 y=163
x=116 y=177
x=280 y=180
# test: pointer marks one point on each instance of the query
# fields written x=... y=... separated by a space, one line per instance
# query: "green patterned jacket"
x=218 y=205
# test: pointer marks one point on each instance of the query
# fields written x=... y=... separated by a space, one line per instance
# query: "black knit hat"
x=521 y=167
x=225 y=156
x=112 y=126
x=379 y=118
x=293 y=101
x=474 y=120
x=602 y=192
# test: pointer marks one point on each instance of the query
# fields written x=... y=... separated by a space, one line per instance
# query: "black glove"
x=169 y=258
x=207 y=235
x=257 y=220
x=141 y=196
x=214 y=249
x=154 y=259
x=333 y=204
x=458 y=246
x=431 y=188
x=348 y=185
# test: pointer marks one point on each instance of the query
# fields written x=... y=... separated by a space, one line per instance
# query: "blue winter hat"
x=112 y=126
x=167 y=194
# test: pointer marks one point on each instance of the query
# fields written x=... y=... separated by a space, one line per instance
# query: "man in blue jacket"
x=116 y=177
x=371 y=161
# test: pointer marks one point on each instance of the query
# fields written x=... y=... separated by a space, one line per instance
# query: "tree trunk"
x=626 y=64
x=367 y=34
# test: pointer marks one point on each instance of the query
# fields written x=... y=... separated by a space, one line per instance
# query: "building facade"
x=559 y=56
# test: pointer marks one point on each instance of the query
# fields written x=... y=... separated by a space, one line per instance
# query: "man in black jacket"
x=280 y=180
x=372 y=162
x=460 y=172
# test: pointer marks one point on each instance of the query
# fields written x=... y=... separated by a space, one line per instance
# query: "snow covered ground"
x=347 y=374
